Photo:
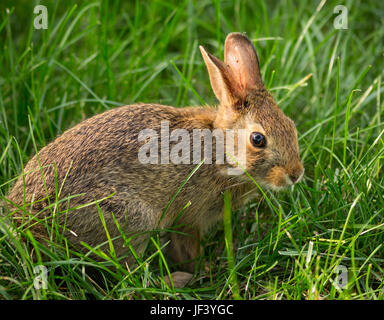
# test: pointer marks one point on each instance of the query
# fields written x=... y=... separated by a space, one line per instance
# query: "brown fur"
x=98 y=158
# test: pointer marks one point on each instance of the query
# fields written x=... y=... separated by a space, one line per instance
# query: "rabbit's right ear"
x=221 y=79
x=241 y=58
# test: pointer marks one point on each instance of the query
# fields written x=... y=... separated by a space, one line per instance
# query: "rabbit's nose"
x=296 y=175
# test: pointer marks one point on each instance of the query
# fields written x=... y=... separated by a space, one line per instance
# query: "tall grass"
x=97 y=55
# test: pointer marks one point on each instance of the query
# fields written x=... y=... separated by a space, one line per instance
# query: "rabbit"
x=95 y=166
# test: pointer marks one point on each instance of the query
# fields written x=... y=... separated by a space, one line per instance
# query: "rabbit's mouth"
x=279 y=177
x=276 y=180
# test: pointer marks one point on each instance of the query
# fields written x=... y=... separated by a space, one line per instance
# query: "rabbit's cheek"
x=256 y=158
x=278 y=178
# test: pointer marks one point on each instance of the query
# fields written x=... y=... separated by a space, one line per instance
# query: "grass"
x=96 y=55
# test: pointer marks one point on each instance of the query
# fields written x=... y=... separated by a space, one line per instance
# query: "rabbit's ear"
x=241 y=57
x=221 y=79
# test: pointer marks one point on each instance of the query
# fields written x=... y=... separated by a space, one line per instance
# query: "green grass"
x=100 y=54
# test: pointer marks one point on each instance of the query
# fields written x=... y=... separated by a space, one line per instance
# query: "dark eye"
x=258 y=140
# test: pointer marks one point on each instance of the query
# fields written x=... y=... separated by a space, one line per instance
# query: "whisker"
x=249 y=192
x=236 y=185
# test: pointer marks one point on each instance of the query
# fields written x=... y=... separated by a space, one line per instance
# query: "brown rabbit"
x=97 y=161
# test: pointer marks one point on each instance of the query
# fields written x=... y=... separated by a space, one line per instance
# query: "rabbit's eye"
x=258 y=140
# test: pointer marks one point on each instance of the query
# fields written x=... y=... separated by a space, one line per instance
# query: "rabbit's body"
x=98 y=160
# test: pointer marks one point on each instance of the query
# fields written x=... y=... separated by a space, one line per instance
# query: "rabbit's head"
x=272 y=151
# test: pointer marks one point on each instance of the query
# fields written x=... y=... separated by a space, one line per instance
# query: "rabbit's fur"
x=98 y=159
